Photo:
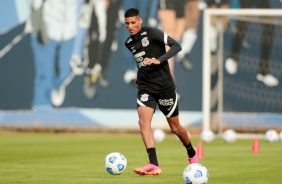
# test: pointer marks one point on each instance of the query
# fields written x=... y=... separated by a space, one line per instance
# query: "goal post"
x=206 y=83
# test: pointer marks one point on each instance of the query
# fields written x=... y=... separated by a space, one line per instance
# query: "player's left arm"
x=162 y=37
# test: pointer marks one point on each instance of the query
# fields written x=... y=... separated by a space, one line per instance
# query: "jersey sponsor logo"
x=145 y=41
x=139 y=59
x=144 y=33
x=166 y=102
x=139 y=54
x=144 y=97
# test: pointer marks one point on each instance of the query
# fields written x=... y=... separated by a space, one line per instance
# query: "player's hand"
x=151 y=61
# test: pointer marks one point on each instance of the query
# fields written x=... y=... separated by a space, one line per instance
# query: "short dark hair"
x=131 y=12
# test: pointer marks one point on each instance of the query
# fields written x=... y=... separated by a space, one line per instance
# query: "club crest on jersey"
x=144 y=97
x=145 y=41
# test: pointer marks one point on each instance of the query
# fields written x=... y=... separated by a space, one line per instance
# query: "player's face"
x=133 y=24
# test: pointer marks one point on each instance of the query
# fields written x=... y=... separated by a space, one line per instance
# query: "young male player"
x=155 y=86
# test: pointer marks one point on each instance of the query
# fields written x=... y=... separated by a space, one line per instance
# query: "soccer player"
x=155 y=86
x=171 y=15
x=213 y=4
x=189 y=35
x=264 y=75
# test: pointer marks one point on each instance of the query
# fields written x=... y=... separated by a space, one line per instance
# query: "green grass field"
x=78 y=158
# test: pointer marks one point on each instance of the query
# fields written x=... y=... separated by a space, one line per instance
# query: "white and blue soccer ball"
x=207 y=135
x=159 y=135
x=115 y=163
x=271 y=136
x=195 y=174
x=229 y=136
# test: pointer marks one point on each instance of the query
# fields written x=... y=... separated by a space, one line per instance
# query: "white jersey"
x=60 y=17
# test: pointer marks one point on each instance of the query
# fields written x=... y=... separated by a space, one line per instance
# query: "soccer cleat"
x=58 y=96
x=184 y=60
x=268 y=80
x=76 y=64
x=231 y=66
x=194 y=159
x=103 y=81
x=149 y=169
x=186 y=63
x=130 y=76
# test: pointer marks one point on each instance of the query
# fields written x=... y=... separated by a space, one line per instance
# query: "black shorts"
x=176 y=5
x=167 y=102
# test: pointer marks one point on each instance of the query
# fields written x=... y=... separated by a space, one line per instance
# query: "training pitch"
x=78 y=158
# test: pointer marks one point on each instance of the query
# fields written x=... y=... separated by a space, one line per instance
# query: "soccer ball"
x=207 y=135
x=271 y=136
x=159 y=135
x=115 y=163
x=229 y=136
x=195 y=174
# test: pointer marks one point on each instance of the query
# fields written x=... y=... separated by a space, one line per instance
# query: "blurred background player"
x=52 y=46
x=177 y=16
x=95 y=37
x=189 y=36
x=214 y=4
x=172 y=21
x=264 y=74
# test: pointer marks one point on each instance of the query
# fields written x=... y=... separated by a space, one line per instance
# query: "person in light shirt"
x=53 y=25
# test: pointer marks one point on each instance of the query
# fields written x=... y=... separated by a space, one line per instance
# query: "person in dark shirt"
x=231 y=64
x=155 y=86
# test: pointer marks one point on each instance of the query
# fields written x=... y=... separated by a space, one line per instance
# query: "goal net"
x=242 y=66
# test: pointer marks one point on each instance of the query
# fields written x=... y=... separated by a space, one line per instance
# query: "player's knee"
x=174 y=130
x=143 y=124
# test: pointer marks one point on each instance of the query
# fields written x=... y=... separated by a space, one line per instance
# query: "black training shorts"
x=167 y=101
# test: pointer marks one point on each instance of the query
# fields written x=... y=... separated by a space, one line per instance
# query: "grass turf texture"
x=78 y=158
